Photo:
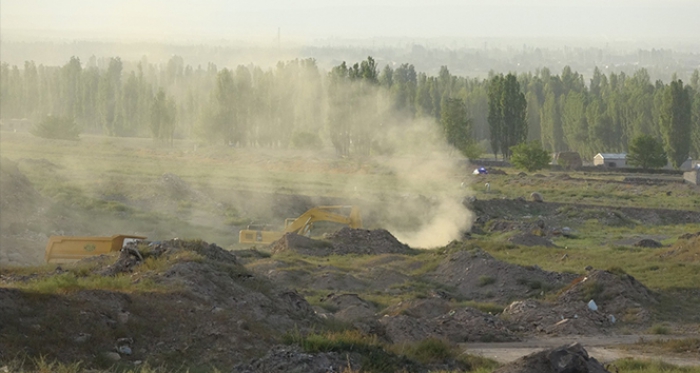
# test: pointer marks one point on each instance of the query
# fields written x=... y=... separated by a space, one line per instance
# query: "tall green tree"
x=551 y=131
x=507 y=114
x=163 y=117
x=457 y=126
x=575 y=124
x=675 y=122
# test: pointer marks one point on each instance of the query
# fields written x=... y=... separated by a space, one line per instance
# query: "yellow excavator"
x=348 y=215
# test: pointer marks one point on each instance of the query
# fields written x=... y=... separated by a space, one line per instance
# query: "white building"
x=619 y=160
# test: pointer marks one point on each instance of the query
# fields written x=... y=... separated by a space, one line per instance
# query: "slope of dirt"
x=418 y=319
x=343 y=242
x=565 y=359
x=618 y=298
x=477 y=275
x=616 y=294
x=205 y=309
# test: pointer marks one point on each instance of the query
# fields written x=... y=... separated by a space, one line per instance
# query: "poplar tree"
x=675 y=120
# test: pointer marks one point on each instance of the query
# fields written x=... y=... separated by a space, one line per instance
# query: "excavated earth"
x=199 y=307
x=189 y=302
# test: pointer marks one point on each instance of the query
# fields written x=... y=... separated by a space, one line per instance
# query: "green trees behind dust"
x=350 y=106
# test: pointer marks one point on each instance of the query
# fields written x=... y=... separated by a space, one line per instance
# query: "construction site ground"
x=519 y=280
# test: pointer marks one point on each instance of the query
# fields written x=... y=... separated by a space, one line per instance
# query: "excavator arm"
x=302 y=225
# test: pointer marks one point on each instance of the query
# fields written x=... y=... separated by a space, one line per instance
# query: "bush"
x=430 y=350
x=53 y=127
x=646 y=152
x=529 y=156
x=306 y=140
x=486 y=280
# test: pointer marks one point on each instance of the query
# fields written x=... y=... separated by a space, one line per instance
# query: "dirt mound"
x=418 y=319
x=689 y=236
x=616 y=294
x=647 y=242
x=475 y=274
x=343 y=242
x=186 y=301
x=566 y=359
x=301 y=245
x=363 y=241
x=350 y=307
x=575 y=318
x=529 y=239
x=615 y=297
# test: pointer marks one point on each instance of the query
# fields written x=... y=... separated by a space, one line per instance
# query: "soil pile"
x=615 y=297
x=477 y=275
x=302 y=245
x=343 y=242
x=363 y=241
x=185 y=302
x=350 y=307
x=566 y=359
x=538 y=317
x=618 y=294
x=648 y=242
x=689 y=236
x=416 y=320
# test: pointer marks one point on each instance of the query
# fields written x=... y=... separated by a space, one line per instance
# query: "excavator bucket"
x=63 y=249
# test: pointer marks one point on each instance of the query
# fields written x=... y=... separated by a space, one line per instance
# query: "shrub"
x=529 y=156
x=54 y=127
x=660 y=329
x=430 y=350
x=306 y=140
x=486 y=280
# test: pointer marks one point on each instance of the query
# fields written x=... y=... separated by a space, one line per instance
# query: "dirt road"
x=603 y=348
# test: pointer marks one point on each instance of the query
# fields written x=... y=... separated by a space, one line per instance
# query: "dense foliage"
x=529 y=156
x=350 y=105
x=646 y=152
x=52 y=127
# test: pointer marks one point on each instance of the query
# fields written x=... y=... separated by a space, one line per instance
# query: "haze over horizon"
x=655 y=23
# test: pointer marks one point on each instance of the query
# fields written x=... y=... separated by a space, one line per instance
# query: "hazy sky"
x=313 y=19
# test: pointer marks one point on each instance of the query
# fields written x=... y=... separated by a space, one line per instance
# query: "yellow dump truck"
x=63 y=249
x=348 y=215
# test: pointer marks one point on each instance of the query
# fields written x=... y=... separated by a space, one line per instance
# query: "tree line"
x=351 y=106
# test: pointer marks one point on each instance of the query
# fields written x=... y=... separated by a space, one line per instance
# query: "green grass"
x=650 y=366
